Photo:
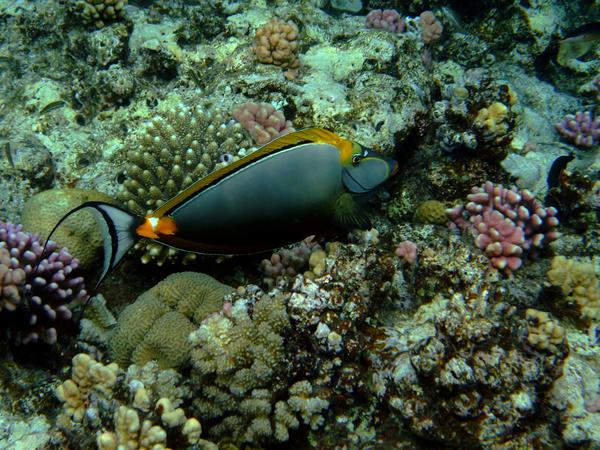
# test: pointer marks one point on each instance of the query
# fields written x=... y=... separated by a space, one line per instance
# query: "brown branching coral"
x=139 y=411
x=89 y=378
x=544 y=333
x=276 y=43
x=241 y=370
x=99 y=12
x=178 y=146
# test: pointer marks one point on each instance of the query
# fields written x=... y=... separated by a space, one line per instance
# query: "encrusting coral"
x=177 y=147
x=156 y=326
x=579 y=283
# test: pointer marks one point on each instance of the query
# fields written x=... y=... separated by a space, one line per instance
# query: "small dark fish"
x=52 y=106
x=557 y=167
x=8 y=154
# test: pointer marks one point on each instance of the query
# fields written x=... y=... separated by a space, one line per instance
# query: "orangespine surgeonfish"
x=299 y=184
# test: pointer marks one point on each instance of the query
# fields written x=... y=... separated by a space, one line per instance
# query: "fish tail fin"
x=118 y=228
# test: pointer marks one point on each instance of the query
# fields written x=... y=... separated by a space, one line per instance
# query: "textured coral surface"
x=443 y=327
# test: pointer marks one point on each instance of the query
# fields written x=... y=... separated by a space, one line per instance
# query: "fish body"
x=579 y=42
x=300 y=184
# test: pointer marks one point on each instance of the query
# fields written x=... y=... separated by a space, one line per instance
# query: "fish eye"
x=356 y=159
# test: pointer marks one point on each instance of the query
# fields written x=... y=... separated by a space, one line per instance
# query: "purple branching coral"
x=507 y=223
x=35 y=303
x=387 y=19
x=288 y=261
x=580 y=129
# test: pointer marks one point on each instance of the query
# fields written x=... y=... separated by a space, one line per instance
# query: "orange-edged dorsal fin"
x=308 y=135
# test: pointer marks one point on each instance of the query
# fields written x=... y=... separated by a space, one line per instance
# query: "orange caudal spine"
x=153 y=227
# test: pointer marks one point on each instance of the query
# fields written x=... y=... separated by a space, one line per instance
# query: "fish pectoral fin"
x=349 y=214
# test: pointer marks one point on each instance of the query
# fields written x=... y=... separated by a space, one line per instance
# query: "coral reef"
x=48 y=287
x=470 y=353
x=156 y=326
x=354 y=342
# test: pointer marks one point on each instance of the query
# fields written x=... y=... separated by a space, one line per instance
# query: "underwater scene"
x=312 y=224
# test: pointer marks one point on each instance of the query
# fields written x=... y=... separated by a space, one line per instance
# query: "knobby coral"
x=581 y=129
x=277 y=43
x=99 y=12
x=386 y=19
x=38 y=288
x=507 y=223
x=432 y=28
x=263 y=121
x=579 y=284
